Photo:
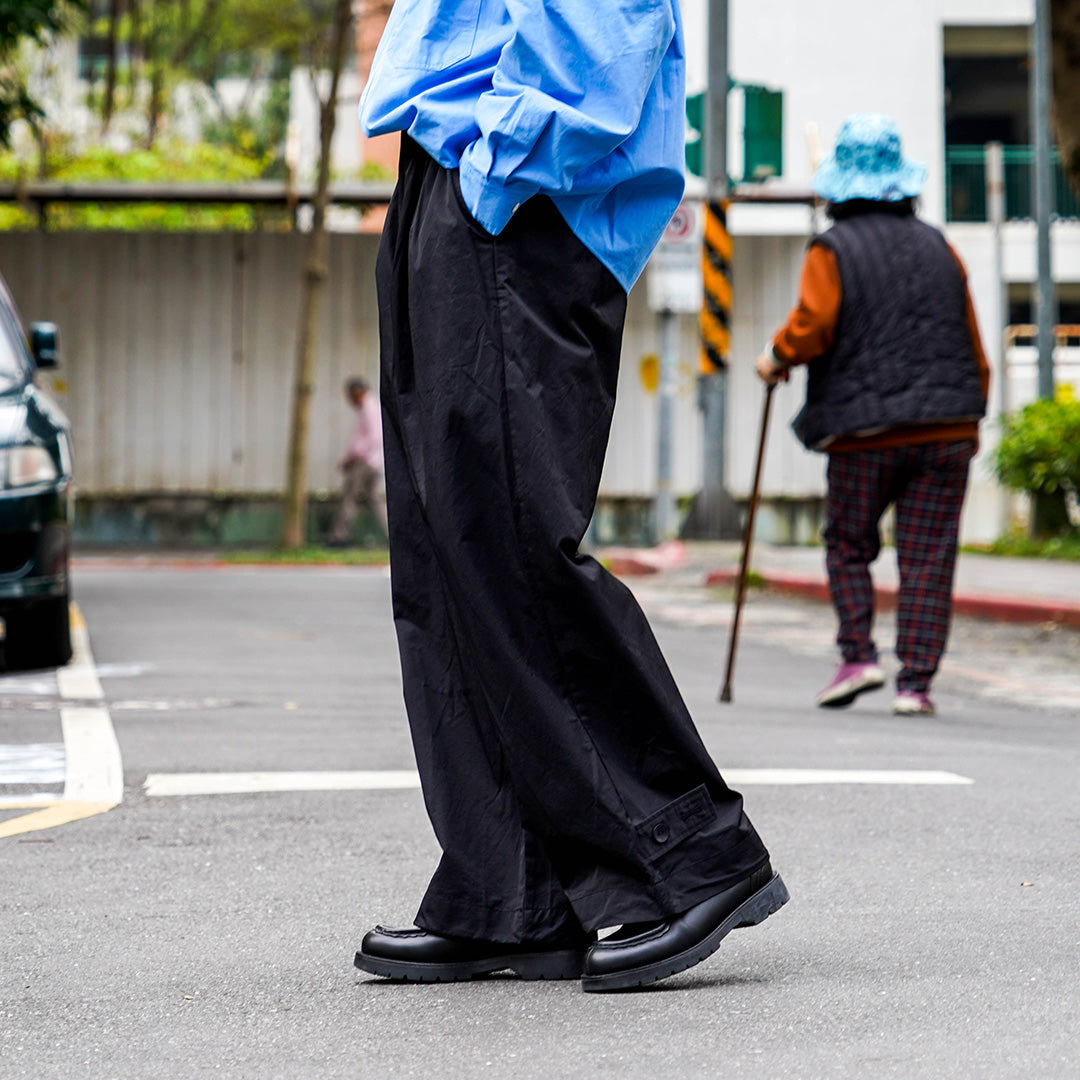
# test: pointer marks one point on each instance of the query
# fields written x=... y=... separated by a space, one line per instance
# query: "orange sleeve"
x=811 y=326
x=973 y=329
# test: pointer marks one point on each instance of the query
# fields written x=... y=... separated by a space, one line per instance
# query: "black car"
x=35 y=500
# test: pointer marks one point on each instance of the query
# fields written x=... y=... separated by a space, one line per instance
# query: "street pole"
x=714 y=384
x=994 y=158
x=714 y=515
x=995 y=212
x=1044 y=192
x=666 y=517
x=716 y=102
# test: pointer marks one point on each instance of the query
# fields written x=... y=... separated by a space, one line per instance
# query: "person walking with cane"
x=896 y=387
x=568 y=788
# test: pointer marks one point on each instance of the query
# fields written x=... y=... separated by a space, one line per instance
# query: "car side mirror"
x=45 y=344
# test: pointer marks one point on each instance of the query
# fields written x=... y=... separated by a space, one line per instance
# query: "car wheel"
x=39 y=636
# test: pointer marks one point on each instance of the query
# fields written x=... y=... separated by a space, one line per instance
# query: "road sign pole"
x=1044 y=193
x=714 y=514
x=673 y=282
x=999 y=317
x=666 y=517
x=716 y=171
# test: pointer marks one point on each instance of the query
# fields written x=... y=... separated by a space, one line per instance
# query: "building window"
x=986 y=100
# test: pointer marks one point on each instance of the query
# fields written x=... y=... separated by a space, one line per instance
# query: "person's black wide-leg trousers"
x=564 y=778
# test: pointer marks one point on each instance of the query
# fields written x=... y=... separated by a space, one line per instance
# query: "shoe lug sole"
x=756 y=909
x=529 y=967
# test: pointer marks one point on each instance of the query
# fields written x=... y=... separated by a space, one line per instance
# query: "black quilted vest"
x=902 y=352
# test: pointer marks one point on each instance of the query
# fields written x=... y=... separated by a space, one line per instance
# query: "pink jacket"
x=366 y=445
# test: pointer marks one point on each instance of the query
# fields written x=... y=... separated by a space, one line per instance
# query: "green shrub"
x=1039 y=454
x=1040 y=448
x=171 y=161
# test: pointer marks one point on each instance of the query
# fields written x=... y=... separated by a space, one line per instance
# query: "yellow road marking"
x=61 y=813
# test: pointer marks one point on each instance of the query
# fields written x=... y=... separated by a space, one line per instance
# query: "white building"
x=952 y=73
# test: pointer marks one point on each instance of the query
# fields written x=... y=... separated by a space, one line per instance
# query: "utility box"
x=763 y=133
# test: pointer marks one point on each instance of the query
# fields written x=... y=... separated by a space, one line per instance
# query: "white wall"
x=987 y=12
x=346 y=152
x=630 y=467
x=832 y=58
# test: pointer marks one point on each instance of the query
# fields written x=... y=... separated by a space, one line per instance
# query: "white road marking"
x=29 y=686
x=32 y=763
x=93 y=773
x=94 y=769
x=249 y=783
x=179 y=705
x=747 y=777
x=29 y=801
x=167 y=784
x=79 y=680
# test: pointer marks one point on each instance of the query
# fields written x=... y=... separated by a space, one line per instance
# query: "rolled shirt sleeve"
x=568 y=89
x=811 y=327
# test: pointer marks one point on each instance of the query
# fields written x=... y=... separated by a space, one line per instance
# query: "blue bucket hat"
x=867 y=163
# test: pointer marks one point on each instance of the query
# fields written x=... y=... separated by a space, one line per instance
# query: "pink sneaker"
x=848 y=683
x=912 y=703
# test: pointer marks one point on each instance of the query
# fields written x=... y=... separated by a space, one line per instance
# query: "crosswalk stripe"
x=32 y=763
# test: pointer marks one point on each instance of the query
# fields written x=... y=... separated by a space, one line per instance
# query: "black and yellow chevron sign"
x=715 y=319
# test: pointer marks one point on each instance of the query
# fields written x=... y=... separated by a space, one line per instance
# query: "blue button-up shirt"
x=580 y=100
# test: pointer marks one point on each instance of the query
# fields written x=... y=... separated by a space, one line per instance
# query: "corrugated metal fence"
x=178 y=354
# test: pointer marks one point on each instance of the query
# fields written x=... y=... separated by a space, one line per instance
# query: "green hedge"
x=172 y=161
x=1039 y=454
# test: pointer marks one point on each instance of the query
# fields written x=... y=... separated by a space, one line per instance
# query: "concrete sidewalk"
x=987 y=586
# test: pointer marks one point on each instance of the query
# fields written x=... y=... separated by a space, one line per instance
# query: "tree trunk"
x=155 y=104
x=1049 y=515
x=109 y=102
x=1065 y=33
x=312 y=287
x=138 y=54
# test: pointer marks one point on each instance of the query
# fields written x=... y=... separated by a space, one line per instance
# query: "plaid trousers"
x=927 y=483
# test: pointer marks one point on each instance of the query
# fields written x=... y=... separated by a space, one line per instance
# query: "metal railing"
x=965 y=185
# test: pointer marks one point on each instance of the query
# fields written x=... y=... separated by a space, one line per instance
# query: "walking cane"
x=725 y=693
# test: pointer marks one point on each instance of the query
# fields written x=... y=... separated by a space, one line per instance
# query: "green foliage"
x=1039 y=453
x=25 y=20
x=32 y=19
x=355 y=556
x=1040 y=448
x=1018 y=544
x=169 y=162
x=298 y=31
x=259 y=135
x=375 y=170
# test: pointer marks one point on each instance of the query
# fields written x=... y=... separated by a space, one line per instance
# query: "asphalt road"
x=934 y=931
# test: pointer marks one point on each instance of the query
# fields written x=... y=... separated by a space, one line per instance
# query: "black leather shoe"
x=414 y=955
x=645 y=953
